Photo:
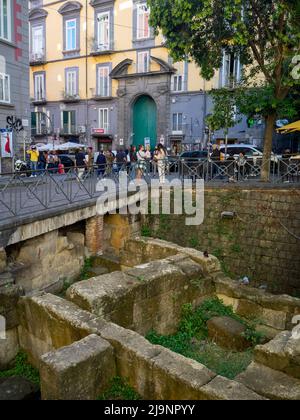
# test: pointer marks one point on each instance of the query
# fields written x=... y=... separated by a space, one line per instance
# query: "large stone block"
x=226 y=390
x=228 y=333
x=8 y=348
x=177 y=377
x=282 y=353
x=270 y=383
x=2 y=259
x=48 y=323
x=81 y=371
x=134 y=356
x=9 y=297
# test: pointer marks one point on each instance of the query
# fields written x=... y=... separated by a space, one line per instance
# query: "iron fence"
x=25 y=193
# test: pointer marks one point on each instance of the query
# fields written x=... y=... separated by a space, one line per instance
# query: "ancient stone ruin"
x=79 y=343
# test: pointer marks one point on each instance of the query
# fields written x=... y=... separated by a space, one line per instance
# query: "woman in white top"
x=160 y=158
x=141 y=161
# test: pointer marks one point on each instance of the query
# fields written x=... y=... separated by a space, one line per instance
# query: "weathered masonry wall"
x=259 y=242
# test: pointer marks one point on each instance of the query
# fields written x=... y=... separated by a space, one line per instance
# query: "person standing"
x=34 y=158
x=141 y=161
x=80 y=163
x=101 y=164
x=160 y=158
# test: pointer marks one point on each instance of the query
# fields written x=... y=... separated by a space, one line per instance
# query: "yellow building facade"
x=99 y=76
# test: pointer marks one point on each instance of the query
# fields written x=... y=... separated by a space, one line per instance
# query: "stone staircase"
x=275 y=372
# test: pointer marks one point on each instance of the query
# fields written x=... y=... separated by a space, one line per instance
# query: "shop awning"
x=290 y=128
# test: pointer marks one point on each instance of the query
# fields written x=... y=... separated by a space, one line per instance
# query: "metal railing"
x=25 y=193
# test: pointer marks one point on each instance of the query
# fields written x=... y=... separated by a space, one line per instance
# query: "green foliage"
x=191 y=340
x=224 y=114
x=86 y=269
x=146 y=231
x=194 y=242
x=22 y=368
x=119 y=389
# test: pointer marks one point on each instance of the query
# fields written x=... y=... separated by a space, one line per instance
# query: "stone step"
x=270 y=383
x=99 y=271
x=282 y=354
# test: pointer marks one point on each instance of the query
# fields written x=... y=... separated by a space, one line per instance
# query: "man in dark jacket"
x=101 y=164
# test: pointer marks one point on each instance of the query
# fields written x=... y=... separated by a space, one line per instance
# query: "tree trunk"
x=266 y=163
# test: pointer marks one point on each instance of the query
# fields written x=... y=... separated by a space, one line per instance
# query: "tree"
x=224 y=114
x=265 y=34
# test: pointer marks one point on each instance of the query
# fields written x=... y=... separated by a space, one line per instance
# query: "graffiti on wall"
x=14 y=124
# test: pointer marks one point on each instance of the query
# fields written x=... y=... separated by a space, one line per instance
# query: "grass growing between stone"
x=192 y=341
x=119 y=389
x=22 y=368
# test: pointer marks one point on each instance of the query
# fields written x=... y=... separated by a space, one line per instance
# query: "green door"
x=144 y=121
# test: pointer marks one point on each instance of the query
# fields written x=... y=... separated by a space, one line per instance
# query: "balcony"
x=95 y=95
x=69 y=131
x=68 y=97
x=40 y=131
x=37 y=59
x=38 y=100
x=102 y=49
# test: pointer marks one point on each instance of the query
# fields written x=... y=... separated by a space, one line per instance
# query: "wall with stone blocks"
x=153 y=371
x=260 y=242
x=9 y=347
x=137 y=299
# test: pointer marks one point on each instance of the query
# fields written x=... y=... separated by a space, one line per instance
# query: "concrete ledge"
x=81 y=371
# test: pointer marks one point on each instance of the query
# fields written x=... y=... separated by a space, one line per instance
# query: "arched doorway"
x=144 y=121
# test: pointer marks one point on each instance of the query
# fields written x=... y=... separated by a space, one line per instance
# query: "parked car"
x=195 y=155
x=67 y=161
x=251 y=152
x=194 y=164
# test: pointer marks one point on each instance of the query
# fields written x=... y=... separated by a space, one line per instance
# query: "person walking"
x=160 y=158
x=109 y=161
x=80 y=163
x=33 y=154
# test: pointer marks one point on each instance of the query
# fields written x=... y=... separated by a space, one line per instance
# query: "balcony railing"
x=40 y=131
x=37 y=58
x=38 y=99
x=70 y=97
x=98 y=49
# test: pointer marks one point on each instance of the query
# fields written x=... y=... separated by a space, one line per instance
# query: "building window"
x=103 y=119
x=231 y=70
x=177 y=122
x=71 y=34
x=37 y=42
x=177 y=83
x=71 y=82
x=103 y=81
x=143 y=62
x=38 y=123
x=5 y=19
x=69 y=122
x=4 y=88
x=103 y=22
x=143 y=28
x=39 y=87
